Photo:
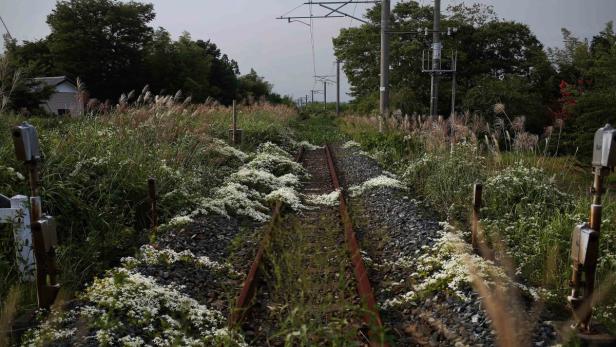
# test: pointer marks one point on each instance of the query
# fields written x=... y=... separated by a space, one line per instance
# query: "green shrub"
x=446 y=178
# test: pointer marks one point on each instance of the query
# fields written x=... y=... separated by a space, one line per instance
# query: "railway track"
x=308 y=284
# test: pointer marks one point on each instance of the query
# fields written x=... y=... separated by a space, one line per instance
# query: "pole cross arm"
x=342 y=13
x=292 y=18
x=334 y=12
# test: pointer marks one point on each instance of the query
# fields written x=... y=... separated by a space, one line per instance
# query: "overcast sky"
x=249 y=33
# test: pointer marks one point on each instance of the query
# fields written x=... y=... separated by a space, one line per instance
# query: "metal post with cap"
x=44 y=235
x=585 y=242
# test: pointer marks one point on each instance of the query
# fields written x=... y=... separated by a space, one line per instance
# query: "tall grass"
x=533 y=199
x=95 y=172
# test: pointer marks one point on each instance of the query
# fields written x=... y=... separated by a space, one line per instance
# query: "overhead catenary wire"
x=6 y=28
x=333 y=12
x=354 y=11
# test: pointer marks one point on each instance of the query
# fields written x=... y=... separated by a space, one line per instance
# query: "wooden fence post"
x=152 y=202
x=235 y=134
x=477 y=195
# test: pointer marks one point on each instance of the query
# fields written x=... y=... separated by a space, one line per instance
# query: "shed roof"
x=53 y=81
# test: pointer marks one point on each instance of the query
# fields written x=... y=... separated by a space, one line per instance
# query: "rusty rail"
x=248 y=287
x=372 y=317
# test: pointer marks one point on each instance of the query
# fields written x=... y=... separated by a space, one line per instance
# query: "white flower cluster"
x=12 y=172
x=161 y=310
x=351 y=144
x=271 y=174
x=224 y=149
x=449 y=265
x=329 y=199
x=180 y=220
x=287 y=196
x=380 y=181
x=308 y=146
x=52 y=329
x=148 y=255
x=129 y=309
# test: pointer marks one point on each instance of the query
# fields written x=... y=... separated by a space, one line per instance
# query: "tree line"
x=499 y=62
x=112 y=48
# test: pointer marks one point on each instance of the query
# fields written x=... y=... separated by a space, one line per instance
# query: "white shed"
x=63 y=101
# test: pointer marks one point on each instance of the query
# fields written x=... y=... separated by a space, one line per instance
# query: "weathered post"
x=152 y=202
x=477 y=195
x=44 y=236
x=235 y=134
x=585 y=242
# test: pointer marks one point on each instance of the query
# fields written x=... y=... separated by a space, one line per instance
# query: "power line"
x=351 y=20
x=6 y=28
x=334 y=10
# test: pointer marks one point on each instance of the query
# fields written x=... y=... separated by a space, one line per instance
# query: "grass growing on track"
x=318 y=129
x=312 y=294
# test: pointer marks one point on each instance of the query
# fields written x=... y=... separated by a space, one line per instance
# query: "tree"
x=198 y=68
x=490 y=50
x=590 y=69
x=16 y=90
x=111 y=47
x=102 y=42
x=253 y=87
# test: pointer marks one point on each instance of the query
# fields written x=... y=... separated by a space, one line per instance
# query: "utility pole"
x=338 y=88
x=436 y=58
x=335 y=9
x=384 y=88
x=325 y=95
x=312 y=100
x=453 y=85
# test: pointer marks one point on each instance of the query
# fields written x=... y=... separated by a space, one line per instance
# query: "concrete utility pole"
x=436 y=58
x=337 y=88
x=384 y=88
x=324 y=94
x=453 y=85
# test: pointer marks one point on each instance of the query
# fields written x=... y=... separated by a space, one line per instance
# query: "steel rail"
x=248 y=287
x=372 y=317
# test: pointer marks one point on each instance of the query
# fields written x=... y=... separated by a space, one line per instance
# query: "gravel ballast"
x=391 y=225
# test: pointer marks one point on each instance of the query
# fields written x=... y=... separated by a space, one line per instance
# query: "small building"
x=63 y=100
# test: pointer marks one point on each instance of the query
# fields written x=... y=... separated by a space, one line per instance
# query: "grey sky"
x=247 y=30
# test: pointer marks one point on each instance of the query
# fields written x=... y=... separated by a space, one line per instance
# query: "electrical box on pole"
x=585 y=243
